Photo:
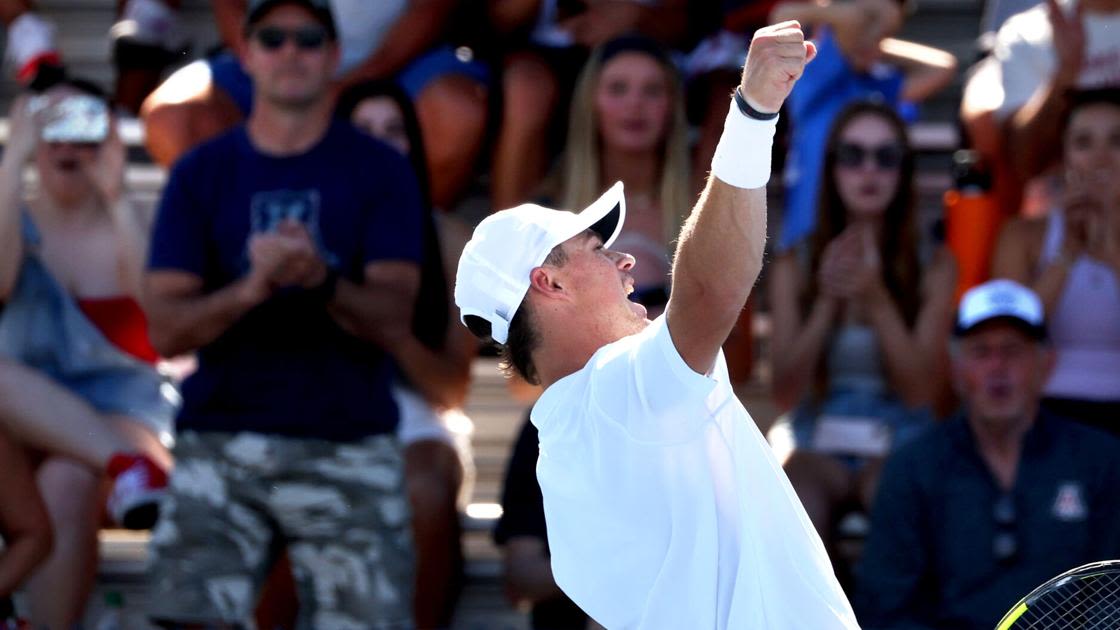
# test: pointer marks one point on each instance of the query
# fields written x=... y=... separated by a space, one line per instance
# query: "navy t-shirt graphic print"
x=269 y=208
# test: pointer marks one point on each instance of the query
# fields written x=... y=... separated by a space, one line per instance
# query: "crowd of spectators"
x=304 y=243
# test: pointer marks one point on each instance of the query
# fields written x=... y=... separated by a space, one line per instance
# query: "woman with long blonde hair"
x=628 y=123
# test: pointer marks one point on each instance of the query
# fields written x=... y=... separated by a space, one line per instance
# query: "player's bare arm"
x=719 y=255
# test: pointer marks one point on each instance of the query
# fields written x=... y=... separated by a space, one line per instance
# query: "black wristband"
x=749 y=111
x=324 y=291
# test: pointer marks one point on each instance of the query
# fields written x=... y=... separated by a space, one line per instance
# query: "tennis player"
x=665 y=506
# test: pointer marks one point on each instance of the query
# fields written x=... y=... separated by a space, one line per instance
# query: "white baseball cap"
x=493 y=274
x=1001 y=299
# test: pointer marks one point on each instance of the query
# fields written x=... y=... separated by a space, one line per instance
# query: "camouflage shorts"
x=338 y=508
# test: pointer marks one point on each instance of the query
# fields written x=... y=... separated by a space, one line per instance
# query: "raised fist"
x=775 y=61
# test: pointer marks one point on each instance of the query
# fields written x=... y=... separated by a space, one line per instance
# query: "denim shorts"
x=42 y=327
x=902 y=423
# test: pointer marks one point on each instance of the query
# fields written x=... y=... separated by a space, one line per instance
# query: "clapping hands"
x=1092 y=218
x=851 y=267
x=285 y=257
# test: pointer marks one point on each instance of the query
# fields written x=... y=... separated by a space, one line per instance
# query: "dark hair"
x=432 y=309
x=353 y=96
x=63 y=79
x=900 y=267
x=1080 y=99
x=1096 y=96
x=516 y=354
x=320 y=9
x=635 y=43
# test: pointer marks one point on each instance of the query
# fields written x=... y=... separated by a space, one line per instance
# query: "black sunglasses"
x=1005 y=542
x=886 y=156
x=305 y=38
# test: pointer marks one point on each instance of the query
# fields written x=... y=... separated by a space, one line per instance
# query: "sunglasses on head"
x=886 y=156
x=305 y=37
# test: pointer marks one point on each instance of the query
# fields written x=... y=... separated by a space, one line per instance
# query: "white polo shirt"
x=665 y=505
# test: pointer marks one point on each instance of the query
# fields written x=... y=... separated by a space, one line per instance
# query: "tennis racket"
x=1085 y=598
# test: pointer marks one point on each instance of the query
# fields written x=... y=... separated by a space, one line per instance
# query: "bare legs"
x=38 y=413
x=74 y=496
x=529 y=93
x=452 y=114
x=24 y=522
x=433 y=475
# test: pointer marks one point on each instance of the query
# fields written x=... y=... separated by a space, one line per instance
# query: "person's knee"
x=72 y=493
x=166 y=128
x=183 y=111
x=455 y=108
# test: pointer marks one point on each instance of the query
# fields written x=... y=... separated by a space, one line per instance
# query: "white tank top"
x=1084 y=326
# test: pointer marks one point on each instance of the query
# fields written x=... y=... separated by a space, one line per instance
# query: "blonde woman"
x=627 y=124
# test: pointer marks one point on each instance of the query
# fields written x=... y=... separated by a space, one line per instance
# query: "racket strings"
x=1089 y=603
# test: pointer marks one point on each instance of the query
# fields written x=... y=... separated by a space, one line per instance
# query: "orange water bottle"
x=972 y=220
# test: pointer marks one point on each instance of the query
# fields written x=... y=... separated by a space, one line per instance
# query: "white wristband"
x=742 y=157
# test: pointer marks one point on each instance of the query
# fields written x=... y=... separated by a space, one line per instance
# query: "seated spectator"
x=1042 y=54
x=1016 y=99
x=77 y=377
x=397 y=39
x=554 y=38
x=286 y=252
x=435 y=364
x=146 y=40
x=523 y=537
x=857 y=58
x=857 y=325
x=1071 y=257
x=977 y=512
x=627 y=124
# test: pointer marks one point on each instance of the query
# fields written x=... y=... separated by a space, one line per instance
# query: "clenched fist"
x=775 y=61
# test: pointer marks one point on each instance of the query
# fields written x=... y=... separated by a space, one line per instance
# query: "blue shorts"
x=226 y=73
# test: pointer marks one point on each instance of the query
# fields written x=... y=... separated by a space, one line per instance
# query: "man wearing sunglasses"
x=286 y=253
x=987 y=505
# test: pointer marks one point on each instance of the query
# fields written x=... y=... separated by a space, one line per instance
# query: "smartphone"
x=80 y=118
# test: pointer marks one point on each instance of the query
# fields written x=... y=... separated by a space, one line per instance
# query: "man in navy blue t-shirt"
x=286 y=253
